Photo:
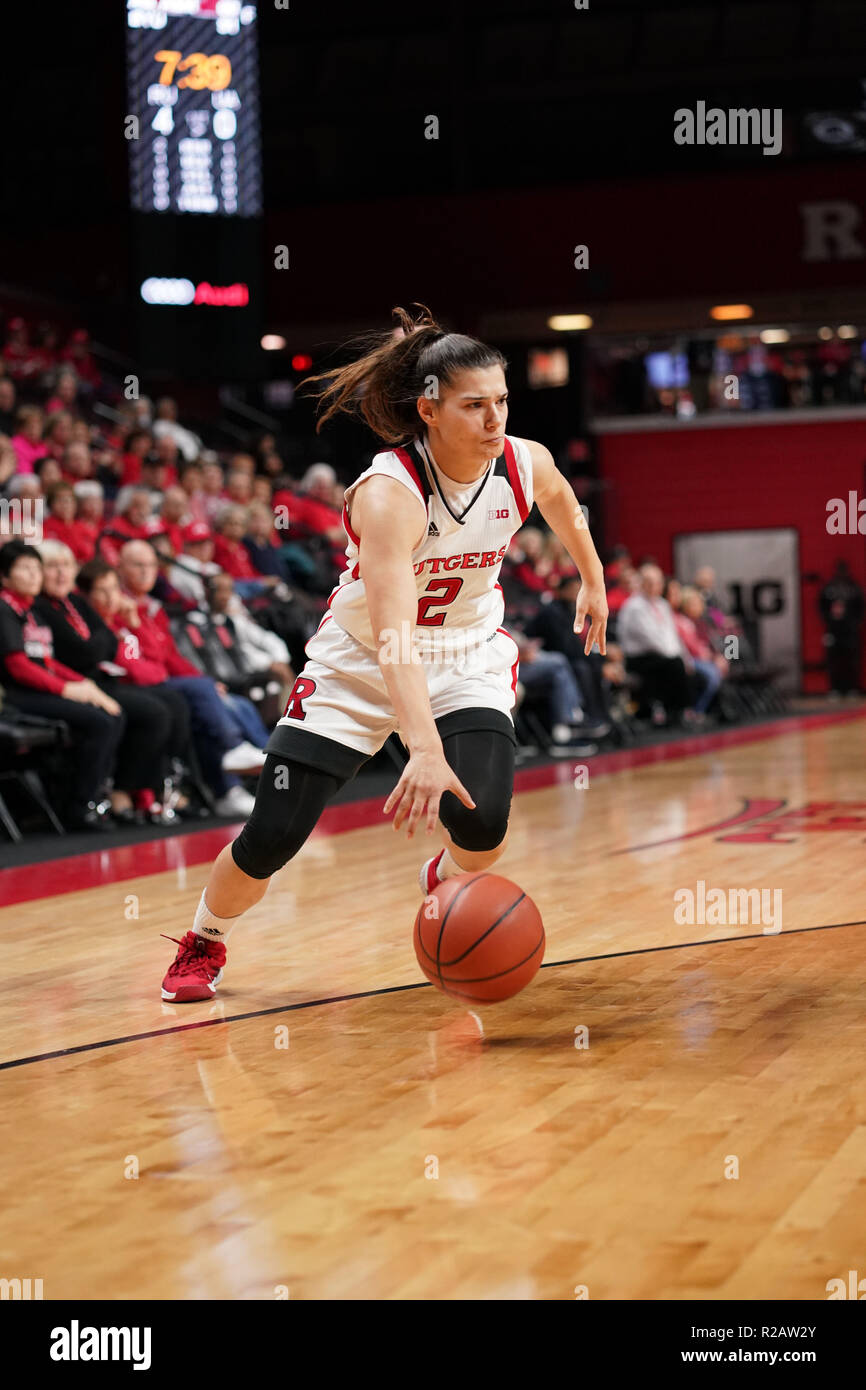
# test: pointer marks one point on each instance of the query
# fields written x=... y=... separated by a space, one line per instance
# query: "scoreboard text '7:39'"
x=204 y=73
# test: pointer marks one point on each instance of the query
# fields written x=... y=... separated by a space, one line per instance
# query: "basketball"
x=479 y=938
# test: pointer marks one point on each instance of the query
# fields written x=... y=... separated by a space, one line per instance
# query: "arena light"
x=846 y=330
x=302 y=362
x=825 y=334
x=724 y=312
x=569 y=323
x=272 y=342
x=157 y=290
x=775 y=335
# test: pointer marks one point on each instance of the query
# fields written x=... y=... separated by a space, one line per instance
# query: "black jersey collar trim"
x=423 y=449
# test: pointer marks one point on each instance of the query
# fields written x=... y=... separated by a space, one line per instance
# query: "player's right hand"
x=425 y=777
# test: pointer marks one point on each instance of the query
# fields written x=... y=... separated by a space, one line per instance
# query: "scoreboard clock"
x=193 y=87
x=195 y=187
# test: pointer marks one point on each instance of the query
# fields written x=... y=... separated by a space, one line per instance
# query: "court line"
x=397 y=989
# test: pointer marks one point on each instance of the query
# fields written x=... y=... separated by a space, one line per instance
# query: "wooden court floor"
x=673 y=1109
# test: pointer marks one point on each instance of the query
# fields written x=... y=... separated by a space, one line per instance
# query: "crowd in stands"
x=669 y=647
x=695 y=376
x=163 y=611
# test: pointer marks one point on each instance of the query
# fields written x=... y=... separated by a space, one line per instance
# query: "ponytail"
x=383 y=385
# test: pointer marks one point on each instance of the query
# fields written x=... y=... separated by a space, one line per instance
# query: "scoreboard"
x=192 y=70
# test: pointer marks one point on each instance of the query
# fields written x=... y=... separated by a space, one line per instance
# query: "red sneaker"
x=428 y=877
x=196 y=971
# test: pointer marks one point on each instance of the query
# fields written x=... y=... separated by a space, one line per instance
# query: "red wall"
x=665 y=482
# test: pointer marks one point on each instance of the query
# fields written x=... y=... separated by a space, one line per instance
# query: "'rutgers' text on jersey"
x=459 y=551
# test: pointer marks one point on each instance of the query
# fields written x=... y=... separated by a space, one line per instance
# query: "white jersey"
x=463 y=534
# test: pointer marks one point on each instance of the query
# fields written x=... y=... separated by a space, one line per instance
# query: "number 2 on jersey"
x=431 y=598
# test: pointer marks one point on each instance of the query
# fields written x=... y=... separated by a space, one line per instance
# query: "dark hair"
x=39 y=464
x=57 y=488
x=95 y=569
x=383 y=385
x=13 y=551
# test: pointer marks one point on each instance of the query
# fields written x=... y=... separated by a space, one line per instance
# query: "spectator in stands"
x=842 y=607
x=647 y=633
x=193 y=563
x=90 y=499
x=77 y=463
x=239 y=488
x=262 y=543
x=82 y=641
x=175 y=603
x=273 y=468
x=58 y=434
x=311 y=510
x=27 y=440
x=213 y=489
x=36 y=683
x=549 y=674
x=78 y=356
x=242 y=463
x=24 y=486
x=138 y=445
x=261 y=651
x=191 y=480
x=156 y=477
x=526 y=561
x=262 y=492
x=174 y=515
x=687 y=606
x=47 y=470
x=553 y=624
x=62 y=524
x=165 y=452
x=232 y=556
x=65 y=395
x=165 y=426
x=8 y=465
x=20 y=359
x=134 y=521
x=47 y=353
x=8 y=411
x=222 y=733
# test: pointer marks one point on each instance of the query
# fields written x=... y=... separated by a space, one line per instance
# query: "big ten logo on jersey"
x=301 y=690
x=496 y=513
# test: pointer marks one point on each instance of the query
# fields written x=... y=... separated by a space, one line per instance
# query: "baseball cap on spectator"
x=196 y=532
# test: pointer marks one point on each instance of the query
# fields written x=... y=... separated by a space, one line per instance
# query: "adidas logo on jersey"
x=432 y=529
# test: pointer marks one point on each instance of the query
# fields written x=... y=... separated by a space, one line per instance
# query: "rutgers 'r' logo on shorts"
x=301 y=691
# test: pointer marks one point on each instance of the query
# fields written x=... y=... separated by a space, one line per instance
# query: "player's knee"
x=259 y=851
x=478 y=830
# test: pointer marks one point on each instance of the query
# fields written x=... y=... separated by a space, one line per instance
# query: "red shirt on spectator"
x=232 y=557
x=80 y=536
x=148 y=653
x=308 y=515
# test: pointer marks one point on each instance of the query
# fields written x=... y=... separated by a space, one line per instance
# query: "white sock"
x=211 y=927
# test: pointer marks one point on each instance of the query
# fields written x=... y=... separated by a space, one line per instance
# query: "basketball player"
x=412 y=640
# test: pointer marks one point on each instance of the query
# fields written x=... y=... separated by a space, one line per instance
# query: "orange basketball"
x=479 y=938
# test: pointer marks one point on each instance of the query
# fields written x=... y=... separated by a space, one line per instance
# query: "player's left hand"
x=592 y=602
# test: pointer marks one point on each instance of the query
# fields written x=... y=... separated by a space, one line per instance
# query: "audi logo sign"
x=179 y=292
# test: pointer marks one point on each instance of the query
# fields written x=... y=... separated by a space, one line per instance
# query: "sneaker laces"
x=192 y=948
